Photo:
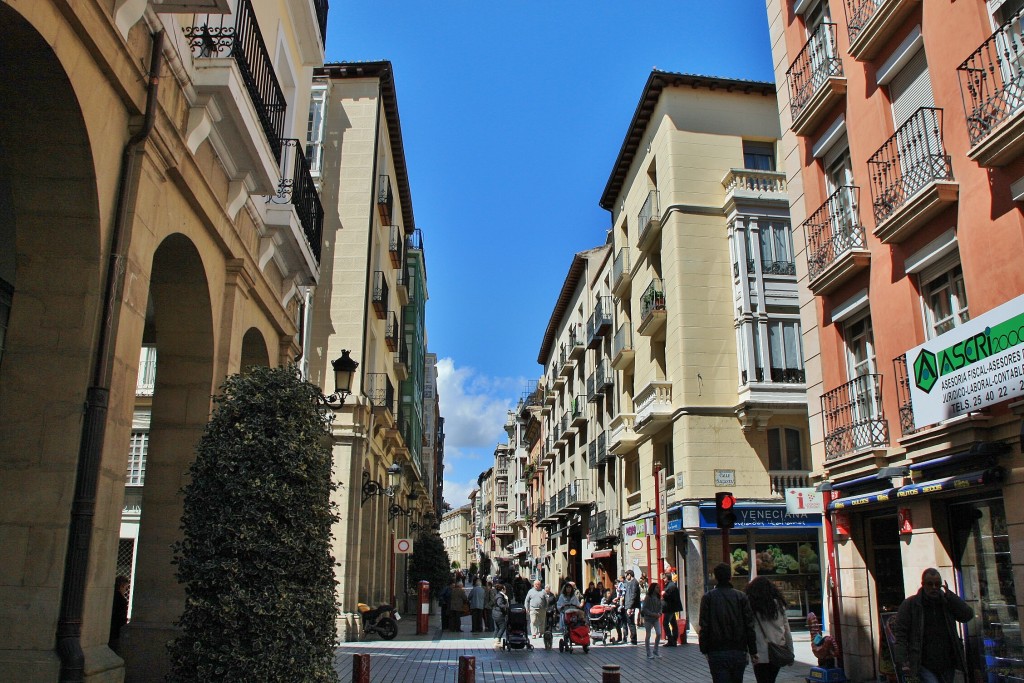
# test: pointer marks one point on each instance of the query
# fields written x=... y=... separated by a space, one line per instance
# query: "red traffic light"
x=725 y=517
x=728 y=500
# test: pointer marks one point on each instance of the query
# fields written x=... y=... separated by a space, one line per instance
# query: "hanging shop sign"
x=804 y=501
x=760 y=517
x=974 y=365
x=634 y=540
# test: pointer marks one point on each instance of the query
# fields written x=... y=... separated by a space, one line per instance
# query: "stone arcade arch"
x=50 y=255
x=254 y=350
x=182 y=318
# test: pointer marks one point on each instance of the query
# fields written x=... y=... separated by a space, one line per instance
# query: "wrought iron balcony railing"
x=778 y=268
x=909 y=160
x=604 y=524
x=380 y=391
x=380 y=300
x=833 y=229
x=899 y=365
x=243 y=42
x=992 y=80
x=814 y=65
x=576 y=341
x=396 y=245
x=393 y=332
x=600 y=321
x=623 y=340
x=322 y=7
x=852 y=416
x=604 y=375
x=385 y=199
x=788 y=375
x=858 y=14
x=296 y=187
x=414 y=242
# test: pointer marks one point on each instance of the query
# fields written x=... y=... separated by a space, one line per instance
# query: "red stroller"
x=576 y=630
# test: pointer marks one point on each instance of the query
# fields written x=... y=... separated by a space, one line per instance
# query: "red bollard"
x=467 y=669
x=361 y=668
x=423 y=618
x=610 y=673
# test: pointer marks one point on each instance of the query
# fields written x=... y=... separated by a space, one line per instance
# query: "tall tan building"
x=457 y=536
x=710 y=395
x=155 y=194
x=370 y=302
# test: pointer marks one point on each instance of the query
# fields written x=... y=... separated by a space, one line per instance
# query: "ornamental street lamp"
x=344 y=369
x=373 y=488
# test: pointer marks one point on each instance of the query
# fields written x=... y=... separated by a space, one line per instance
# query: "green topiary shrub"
x=255 y=559
x=430 y=562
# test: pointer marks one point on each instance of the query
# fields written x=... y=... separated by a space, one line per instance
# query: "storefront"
x=887 y=532
x=766 y=541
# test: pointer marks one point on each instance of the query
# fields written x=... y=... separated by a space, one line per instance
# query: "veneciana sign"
x=972 y=366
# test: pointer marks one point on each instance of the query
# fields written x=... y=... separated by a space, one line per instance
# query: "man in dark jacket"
x=631 y=600
x=726 y=629
x=672 y=604
x=928 y=646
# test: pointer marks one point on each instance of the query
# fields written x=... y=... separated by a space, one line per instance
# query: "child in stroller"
x=517 y=634
x=576 y=630
x=603 y=620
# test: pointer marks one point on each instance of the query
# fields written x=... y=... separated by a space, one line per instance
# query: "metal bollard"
x=361 y=668
x=467 y=669
x=610 y=673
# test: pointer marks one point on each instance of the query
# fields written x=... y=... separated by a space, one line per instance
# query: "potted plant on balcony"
x=653 y=300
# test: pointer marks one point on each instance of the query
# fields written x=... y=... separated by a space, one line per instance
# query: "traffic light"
x=725 y=514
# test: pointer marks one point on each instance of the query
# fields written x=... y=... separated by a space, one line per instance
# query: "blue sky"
x=512 y=116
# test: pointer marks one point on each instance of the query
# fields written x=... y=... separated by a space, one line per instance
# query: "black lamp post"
x=373 y=488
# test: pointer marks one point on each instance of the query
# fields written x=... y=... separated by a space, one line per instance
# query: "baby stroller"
x=549 y=626
x=516 y=635
x=602 y=622
x=576 y=630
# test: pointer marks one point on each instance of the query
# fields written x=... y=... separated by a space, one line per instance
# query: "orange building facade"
x=904 y=151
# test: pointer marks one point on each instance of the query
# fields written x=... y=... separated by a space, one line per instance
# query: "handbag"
x=778 y=655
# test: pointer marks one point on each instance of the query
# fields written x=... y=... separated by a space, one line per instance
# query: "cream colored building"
x=711 y=393
x=369 y=302
x=152 y=197
x=457 y=536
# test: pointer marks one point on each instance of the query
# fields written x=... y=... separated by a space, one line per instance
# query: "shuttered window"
x=910 y=90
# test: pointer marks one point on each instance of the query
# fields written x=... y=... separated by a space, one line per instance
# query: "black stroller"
x=517 y=635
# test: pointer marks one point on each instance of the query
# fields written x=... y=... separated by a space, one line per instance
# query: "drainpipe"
x=90 y=449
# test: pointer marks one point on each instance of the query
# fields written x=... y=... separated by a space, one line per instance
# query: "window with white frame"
x=944 y=298
x=785 y=450
x=137 y=451
x=860 y=345
x=777 y=249
x=785 y=351
x=315 y=129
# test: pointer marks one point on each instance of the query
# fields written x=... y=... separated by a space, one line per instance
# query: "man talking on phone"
x=928 y=645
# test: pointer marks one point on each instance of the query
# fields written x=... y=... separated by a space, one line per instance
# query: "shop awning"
x=601 y=554
x=863 y=499
x=957 y=482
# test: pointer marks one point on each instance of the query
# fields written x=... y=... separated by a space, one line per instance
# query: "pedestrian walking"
x=726 y=629
x=673 y=605
x=443 y=599
x=500 y=614
x=770 y=626
x=566 y=600
x=928 y=646
x=651 y=609
x=477 y=598
x=631 y=601
x=118 y=613
x=591 y=596
x=458 y=604
x=536 y=605
x=490 y=594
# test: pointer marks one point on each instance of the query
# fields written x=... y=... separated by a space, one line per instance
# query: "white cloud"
x=474 y=408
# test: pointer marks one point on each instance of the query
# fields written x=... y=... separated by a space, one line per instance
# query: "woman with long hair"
x=770 y=625
x=650 y=612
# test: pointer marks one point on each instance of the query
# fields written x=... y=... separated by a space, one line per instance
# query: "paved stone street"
x=434 y=658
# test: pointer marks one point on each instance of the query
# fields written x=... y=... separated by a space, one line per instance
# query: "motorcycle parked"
x=383 y=620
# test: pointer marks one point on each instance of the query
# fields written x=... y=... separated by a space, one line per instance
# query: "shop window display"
x=793 y=566
x=982 y=552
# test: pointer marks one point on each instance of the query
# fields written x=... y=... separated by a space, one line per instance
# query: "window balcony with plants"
x=652 y=309
x=871 y=23
x=911 y=177
x=836 y=245
x=992 y=86
x=816 y=80
x=853 y=419
x=578 y=412
x=649 y=222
